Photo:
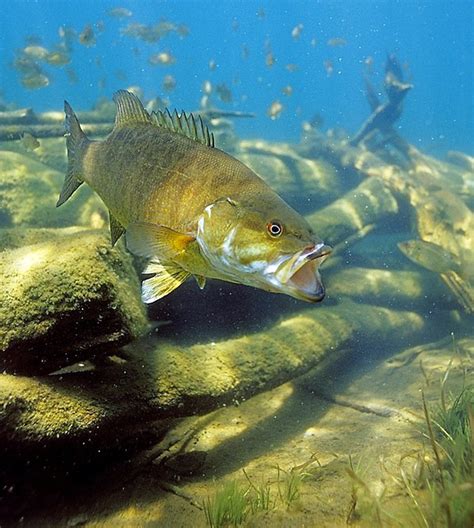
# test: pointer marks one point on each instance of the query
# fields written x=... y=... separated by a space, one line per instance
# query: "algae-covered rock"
x=64 y=298
x=162 y=378
x=29 y=191
x=51 y=151
x=388 y=287
x=16 y=237
x=305 y=183
x=365 y=205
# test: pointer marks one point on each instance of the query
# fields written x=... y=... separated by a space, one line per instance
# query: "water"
x=83 y=418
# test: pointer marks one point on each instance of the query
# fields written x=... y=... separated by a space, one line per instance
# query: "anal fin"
x=116 y=229
x=71 y=183
x=167 y=277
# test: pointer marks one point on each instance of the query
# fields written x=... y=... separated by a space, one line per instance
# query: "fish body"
x=430 y=256
x=190 y=207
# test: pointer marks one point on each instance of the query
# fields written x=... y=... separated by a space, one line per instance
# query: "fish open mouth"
x=300 y=275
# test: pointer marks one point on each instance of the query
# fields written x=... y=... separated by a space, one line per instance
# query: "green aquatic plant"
x=364 y=499
x=450 y=432
x=260 y=496
x=449 y=481
x=289 y=482
x=234 y=503
x=228 y=507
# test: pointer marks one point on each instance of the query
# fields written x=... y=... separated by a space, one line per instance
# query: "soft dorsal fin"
x=184 y=124
x=129 y=109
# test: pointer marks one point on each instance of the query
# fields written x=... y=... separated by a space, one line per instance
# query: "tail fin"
x=76 y=141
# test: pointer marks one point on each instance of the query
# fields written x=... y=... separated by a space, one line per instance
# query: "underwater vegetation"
x=438 y=480
x=234 y=503
x=451 y=486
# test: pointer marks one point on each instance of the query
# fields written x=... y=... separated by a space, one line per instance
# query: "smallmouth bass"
x=191 y=208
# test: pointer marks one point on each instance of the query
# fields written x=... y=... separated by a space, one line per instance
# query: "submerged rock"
x=164 y=379
x=304 y=183
x=29 y=191
x=365 y=205
x=65 y=298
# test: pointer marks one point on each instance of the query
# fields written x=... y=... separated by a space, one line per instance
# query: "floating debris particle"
x=35 y=52
x=274 y=110
x=212 y=64
x=169 y=83
x=292 y=67
x=224 y=93
x=369 y=63
x=207 y=87
x=296 y=31
x=269 y=59
x=35 y=81
x=29 y=142
x=329 y=67
x=58 y=57
x=164 y=58
x=287 y=90
x=337 y=42
x=119 y=12
x=87 y=36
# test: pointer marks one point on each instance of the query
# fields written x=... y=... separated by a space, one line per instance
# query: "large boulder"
x=66 y=298
x=304 y=183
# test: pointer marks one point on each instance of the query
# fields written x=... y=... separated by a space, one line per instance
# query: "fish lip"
x=299 y=274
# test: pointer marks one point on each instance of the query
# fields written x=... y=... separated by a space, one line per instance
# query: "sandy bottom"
x=371 y=411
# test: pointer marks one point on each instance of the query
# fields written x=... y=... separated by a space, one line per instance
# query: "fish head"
x=263 y=243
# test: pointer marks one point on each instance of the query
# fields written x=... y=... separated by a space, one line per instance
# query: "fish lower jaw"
x=304 y=284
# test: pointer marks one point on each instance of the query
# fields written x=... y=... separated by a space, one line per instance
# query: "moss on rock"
x=163 y=379
x=63 y=298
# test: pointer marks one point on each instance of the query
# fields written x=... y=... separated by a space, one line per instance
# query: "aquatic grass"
x=228 y=507
x=260 y=496
x=450 y=480
x=234 y=503
x=364 y=499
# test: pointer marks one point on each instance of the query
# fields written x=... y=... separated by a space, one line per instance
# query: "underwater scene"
x=237 y=263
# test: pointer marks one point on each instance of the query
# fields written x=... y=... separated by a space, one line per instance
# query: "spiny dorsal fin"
x=185 y=125
x=129 y=109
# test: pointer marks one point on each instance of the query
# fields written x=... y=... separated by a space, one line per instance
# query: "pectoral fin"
x=168 y=277
x=153 y=240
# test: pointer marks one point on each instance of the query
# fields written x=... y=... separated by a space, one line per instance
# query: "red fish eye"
x=274 y=228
